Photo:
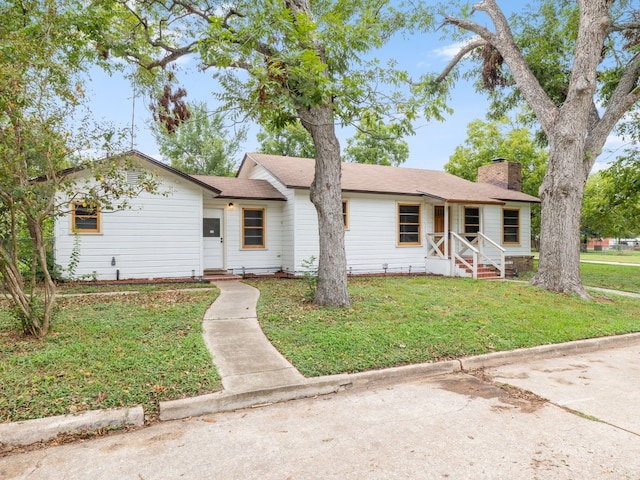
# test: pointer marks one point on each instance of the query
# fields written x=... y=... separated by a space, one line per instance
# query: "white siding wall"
x=370 y=240
x=158 y=237
x=287 y=216
x=493 y=227
x=254 y=260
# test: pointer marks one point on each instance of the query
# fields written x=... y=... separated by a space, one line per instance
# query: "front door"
x=212 y=238
x=439 y=224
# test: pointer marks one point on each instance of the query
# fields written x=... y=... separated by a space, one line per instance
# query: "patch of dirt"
x=64 y=438
x=479 y=384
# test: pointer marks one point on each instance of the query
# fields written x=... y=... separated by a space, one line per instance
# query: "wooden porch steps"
x=485 y=272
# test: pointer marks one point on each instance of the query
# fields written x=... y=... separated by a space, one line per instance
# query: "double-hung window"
x=471 y=222
x=253 y=232
x=510 y=225
x=85 y=218
x=409 y=224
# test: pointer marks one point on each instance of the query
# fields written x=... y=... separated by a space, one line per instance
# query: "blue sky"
x=430 y=148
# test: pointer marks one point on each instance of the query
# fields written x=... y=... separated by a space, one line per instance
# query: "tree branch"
x=469 y=47
x=626 y=94
x=503 y=41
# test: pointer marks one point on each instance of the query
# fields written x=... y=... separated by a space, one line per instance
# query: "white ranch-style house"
x=396 y=220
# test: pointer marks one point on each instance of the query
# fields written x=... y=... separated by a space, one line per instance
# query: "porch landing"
x=216 y=275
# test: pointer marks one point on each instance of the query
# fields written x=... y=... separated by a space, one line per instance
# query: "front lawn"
x=614 y=277
x=403 y=320
x=613 y=255
x=108 y=351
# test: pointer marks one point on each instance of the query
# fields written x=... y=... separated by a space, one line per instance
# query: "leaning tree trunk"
x=326 y=196
x=42 y=316
x=561 y=195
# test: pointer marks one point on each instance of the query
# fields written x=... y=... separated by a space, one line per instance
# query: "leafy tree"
x=278 y=63
x=201 y=145
x=42 y=54
x=611 y=206
x=576 y=65
x=377 y=142
x=291 y=141
x=487 y=140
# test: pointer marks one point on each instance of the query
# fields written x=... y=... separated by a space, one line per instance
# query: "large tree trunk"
x=561 y=195
x=326 y=196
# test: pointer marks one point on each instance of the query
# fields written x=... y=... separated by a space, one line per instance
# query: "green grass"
x=623 y=256
x=111 y=351
x=107 y=351
x=401 y=320
x=123 y=286
x=614 y=277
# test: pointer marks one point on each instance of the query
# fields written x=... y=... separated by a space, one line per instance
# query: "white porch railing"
x=436 y=245
x=482 y=241
x=479 y=248
x=459 y=246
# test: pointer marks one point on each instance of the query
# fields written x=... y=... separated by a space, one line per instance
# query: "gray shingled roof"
x=298 y=173
x=231 y=187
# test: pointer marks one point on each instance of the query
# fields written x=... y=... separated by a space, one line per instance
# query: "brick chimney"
x=502 y=173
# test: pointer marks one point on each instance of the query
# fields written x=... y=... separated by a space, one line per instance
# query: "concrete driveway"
x=456 y=426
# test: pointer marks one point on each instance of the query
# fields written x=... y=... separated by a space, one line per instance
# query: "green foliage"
x=202 y=145
x=491 y=139
x=272 y=62
x=293 y=140
x=611 y=205
x=501 y=138
x=310 y=276
x=43 y=55
x=377 y=142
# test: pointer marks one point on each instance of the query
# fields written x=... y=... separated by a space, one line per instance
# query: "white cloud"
x=449 y=51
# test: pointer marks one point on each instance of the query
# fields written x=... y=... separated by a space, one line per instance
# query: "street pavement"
x=569 y=417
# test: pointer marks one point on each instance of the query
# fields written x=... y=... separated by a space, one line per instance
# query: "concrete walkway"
x=245 y=358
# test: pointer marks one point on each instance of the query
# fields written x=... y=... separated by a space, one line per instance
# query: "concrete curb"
x=225 y=401
x=311 y=387
x=44 y=429
x=548 y=351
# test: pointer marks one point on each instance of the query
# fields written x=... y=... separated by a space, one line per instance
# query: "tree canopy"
x=576 y=66
x=278 y=64
x=291 y=141
x=203 y=144
x=377 y=142
x=43 y=132
x=611 y=205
